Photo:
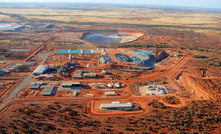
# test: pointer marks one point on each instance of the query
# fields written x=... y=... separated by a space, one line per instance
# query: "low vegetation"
x=198 y=116
x=156 y=45
x=172 y=100
x=215 y=63
x=23 y=68
x=199 y=56
x=15 y=56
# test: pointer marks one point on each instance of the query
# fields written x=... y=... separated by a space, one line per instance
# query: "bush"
x=172 y=100
x=199 y=56
x=157 y=104
x=215 y=63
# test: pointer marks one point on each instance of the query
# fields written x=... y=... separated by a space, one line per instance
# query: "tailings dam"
x=110 y=36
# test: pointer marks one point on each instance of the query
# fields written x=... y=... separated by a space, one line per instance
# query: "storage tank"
x=110 y=85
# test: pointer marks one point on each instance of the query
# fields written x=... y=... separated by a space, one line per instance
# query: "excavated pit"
x=110 y=37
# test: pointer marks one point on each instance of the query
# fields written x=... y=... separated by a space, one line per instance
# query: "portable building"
x=111 y=94
x=90 y=75
x=77 y=76
x=80 y=71
x=89 y=95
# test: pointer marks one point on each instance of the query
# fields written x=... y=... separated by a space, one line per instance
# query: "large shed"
x=48 y=90
x=40 y=69
x=71 y=84
x=2 y=71
x=104 y=59
x=116 y=106
x=34 y=86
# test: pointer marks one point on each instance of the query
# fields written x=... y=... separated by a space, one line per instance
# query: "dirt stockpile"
x=111 y=36
x=208 y=86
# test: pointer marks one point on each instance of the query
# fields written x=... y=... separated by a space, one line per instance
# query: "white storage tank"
x=110 y=85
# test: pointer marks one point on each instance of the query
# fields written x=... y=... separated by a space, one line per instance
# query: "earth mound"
x=110 y=36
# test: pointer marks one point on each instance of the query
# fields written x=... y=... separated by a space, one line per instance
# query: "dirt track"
x=39 y=48
x=139 y=100
x=168 y=72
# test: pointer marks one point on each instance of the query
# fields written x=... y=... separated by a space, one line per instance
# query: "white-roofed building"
x=116 y=106
x=40 y=69
x=111 y=94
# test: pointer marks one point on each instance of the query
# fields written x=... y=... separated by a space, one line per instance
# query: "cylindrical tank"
x=110 y=85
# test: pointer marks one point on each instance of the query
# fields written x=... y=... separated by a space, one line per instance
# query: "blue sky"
x=187 y=3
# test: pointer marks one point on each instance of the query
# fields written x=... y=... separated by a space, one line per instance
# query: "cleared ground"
x=191 y=105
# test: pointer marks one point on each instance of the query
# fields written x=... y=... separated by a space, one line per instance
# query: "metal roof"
x=2 y=72
x=76 y=76
x=90 y=75
x=30 y=63
x=40 y=69
x=70 y=83
x=48 y=90
x=110 y=93
x=49 y=87
x=116 y=105
x=104 y=58
x=80 y=71
x=36 y=86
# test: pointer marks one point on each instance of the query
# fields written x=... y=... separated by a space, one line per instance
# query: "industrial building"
x=71 y=84
x=48 y=90
x=30 y=63
x=44 y=76
x=34 y=86
x=2 y=72
x=41 y=69
x=90 y=75
x=104 y=59
x=117 y=106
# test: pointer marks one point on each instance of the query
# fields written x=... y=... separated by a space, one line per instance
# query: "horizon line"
x=109 y=3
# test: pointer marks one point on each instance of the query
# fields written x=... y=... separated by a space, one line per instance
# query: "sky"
x=185 y=3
